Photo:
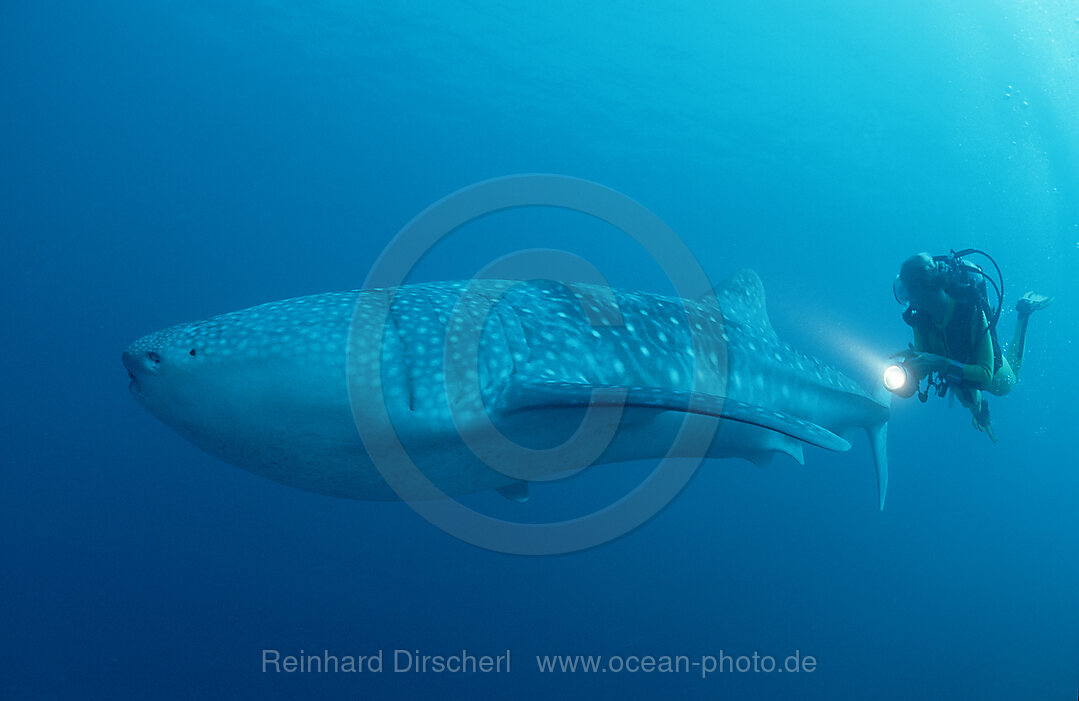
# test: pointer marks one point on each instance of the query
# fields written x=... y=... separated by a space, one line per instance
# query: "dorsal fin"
x=741 y=297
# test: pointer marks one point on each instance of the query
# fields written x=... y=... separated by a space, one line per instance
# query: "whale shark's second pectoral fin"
x=521 y=395
x=518 y=492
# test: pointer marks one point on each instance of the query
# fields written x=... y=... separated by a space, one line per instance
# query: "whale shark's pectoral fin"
x=524 y=394
x=518 y=492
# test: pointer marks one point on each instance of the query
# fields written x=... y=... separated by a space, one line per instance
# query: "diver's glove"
x=981 y=421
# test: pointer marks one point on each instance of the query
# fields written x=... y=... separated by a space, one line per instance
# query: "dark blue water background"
x=163 y=162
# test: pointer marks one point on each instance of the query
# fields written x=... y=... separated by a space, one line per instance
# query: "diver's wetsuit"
x=964 y=336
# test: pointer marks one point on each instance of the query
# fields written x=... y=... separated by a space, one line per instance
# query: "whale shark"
x=492 y=384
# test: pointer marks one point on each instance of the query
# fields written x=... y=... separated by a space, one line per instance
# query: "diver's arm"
x=976 y=375
x=921 y=361
x=979 y=372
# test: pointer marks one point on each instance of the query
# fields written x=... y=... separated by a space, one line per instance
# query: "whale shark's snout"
x=149 y=357
x=139 y=360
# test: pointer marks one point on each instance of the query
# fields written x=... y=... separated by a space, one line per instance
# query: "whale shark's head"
x=165 y=368
x=240 y=381
x=208 y=382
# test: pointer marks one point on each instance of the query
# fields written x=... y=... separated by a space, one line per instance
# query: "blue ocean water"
x=163 y=162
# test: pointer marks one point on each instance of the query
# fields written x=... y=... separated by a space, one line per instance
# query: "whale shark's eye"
x=191 y=352
x=154 y=357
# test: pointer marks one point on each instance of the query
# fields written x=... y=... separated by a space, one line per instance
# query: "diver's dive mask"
x=933 y=276
x=900 y=291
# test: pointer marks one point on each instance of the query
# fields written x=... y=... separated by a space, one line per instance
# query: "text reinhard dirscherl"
x=465 y=662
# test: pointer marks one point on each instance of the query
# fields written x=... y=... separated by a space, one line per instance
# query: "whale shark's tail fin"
x=878 y=440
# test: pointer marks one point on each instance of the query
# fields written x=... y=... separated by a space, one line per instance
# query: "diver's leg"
x=1003 y=380
x=979 y=409
x=1014 y=356
x=971 y=399
x=1027 y=305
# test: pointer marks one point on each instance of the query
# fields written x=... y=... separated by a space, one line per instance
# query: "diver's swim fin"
x=1031 y=302
x=982 y=423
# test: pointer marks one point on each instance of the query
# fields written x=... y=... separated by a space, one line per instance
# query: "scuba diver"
x=955 y=336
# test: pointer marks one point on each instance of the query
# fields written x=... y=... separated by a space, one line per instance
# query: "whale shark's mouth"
x=131 y=365
x=134 y=386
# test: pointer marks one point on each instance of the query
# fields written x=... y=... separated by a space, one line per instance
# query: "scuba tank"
x=967 y=284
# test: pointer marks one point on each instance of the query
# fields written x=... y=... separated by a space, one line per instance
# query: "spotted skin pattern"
x=268 y=388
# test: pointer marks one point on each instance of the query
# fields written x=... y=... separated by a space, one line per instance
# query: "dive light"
x=899 y=381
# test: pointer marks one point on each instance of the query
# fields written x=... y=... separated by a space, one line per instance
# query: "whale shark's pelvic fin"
x=521 y=395
x=761 y=459
x=878 y=436
x=518 y=492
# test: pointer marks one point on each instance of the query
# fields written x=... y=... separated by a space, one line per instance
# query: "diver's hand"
x=921 y=364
